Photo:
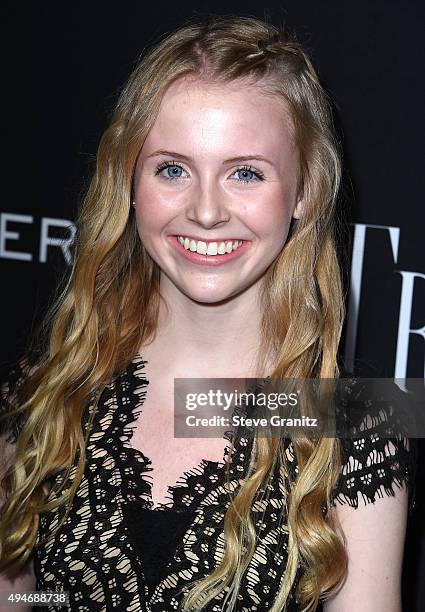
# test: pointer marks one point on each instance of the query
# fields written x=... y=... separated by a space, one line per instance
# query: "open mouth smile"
x=209 y=253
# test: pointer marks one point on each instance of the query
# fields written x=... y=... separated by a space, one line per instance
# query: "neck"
x=207 y=340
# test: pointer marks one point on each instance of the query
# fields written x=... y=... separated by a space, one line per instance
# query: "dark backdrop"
x=63 y=66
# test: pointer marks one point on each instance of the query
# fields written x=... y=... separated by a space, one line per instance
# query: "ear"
x=299 y=209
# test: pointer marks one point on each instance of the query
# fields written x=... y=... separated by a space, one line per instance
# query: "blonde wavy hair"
x=108 y=308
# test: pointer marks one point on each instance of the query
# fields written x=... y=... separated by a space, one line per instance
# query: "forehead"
x=219 y=117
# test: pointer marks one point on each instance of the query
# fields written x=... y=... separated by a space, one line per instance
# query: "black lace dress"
x=116 y=551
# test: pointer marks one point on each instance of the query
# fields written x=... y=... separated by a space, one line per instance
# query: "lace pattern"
x=375 y=459
x=191 y=487
x=93 y=555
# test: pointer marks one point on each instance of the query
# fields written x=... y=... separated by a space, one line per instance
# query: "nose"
x=207 y=206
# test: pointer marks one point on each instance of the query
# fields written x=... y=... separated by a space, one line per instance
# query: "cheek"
x=271 y=217
x=151 y=212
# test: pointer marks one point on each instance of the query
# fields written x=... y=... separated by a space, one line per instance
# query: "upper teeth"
x=213 y=248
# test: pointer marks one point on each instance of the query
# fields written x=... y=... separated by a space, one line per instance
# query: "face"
x=192 y=186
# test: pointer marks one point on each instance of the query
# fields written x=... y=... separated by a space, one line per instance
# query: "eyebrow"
x=240 y=158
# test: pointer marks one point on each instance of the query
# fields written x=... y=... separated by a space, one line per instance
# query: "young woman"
x=206 y=248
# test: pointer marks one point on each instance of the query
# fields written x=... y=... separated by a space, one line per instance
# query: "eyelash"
x=167 y=164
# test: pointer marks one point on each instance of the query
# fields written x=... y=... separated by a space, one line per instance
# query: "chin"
x=209 y=296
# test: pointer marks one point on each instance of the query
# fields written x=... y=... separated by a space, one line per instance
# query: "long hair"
x=109 y=306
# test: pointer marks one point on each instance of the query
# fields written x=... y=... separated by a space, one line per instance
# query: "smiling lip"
x=208 y=260
x=207 y=241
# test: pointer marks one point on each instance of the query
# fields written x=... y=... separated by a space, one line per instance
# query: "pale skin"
x=375 y=535
x=214 y=328
x=24 y=580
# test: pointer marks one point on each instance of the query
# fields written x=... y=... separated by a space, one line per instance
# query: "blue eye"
x=248 y=170
x=171 y=165
x=166 y=166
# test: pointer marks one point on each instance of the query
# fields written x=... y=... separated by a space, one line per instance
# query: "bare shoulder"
x=374 y=534
x=25 y=579
x=21 y=582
